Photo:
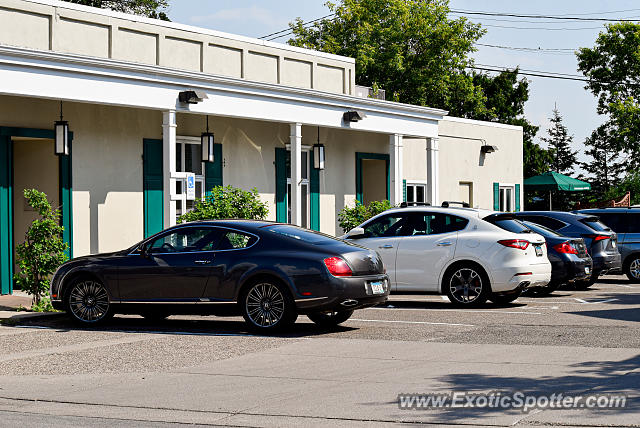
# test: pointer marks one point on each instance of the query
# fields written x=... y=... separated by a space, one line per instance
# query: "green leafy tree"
x=348 y=218
x=631 y=183
x=43 y=249
x=411 y=48
x=228 y=203
x=150 y=8
x=612 y=68
x=559 y=140
x=606 y=166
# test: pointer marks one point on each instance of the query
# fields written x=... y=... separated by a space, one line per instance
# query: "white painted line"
x=580 y=300
x=445 y=298
x=622 y=285
x=485 y=311
x=597 y=301
x=413 y=322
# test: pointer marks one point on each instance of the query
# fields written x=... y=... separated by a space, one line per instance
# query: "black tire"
x=330 y=319
x=632 y=268
x=586 y=283
x=505 y=298
x=87 y=302
x=267 y=306
x=463 y=278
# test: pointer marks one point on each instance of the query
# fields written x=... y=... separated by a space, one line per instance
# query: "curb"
x=13 y=316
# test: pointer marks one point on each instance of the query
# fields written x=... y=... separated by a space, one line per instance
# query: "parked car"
x=569 y=259
x=268 y=272
x=601 y=241
x=626 y=223
x=468 y=254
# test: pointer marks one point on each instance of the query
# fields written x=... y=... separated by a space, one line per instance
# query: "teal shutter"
x=66 y=197
x=496 y=196
x=213 y=170
x=404 y=190
x=6 y=212
x=281 y=185
x=314 y=190
x=152 y=187
x=517 y=197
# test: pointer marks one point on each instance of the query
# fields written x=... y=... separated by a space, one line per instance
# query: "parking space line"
x=584 y=302
x=482 y=311
x=412 y=322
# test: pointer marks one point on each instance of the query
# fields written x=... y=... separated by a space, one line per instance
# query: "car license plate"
x=587 y=270
x=539 y=250
x=377 y=287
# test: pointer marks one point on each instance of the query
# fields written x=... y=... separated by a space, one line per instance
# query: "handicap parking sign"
x=191 y=187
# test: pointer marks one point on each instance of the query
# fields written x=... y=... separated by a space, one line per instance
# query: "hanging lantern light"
x=206 y=144
x=318 y=154
x=62 y=135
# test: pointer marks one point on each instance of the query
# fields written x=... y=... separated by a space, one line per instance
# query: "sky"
x=257 y=18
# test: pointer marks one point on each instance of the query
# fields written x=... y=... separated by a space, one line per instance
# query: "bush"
x=43 y=249
x=44 y=305
x=349 y=218
x=228 y=202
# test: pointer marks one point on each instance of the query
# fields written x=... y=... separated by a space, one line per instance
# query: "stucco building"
x=119 y=78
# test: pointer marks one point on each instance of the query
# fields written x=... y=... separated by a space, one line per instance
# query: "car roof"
x=556 y=214
x=468 y=212
x=241 y=223
x=609 y=210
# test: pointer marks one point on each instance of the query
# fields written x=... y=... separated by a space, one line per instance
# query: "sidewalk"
x=9 y=305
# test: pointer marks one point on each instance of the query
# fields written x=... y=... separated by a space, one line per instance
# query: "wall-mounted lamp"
x=353 y=115
x=192 y=97
x=62 y=135
x=485 y=148
x=206 y=145
x=318 y=154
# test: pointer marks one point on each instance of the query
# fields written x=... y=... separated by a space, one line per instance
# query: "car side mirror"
x=144 y=252
x=356 y=233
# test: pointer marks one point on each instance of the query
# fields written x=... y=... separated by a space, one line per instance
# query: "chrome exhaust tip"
x=349 y=303
x=524 y=284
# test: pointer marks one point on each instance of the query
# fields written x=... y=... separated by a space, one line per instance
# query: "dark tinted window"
x=300 y=234
x=546 y=221
x=233 y=240
x=507 y=222
x=185 y=240
x=432 y=224
x=615 y=221
x=385 y=226
x=595 y=224
x=633 y=222
x=544 y=231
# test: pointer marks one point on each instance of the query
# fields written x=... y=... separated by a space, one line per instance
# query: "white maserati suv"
x=470 y=255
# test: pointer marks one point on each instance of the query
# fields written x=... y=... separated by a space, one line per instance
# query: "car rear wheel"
x=466 y=285
x=632 y=269
x=330 y=319
x=267 y=306
x=504 y=298
x=88 y=302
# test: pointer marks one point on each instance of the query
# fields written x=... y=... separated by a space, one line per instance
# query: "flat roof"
x=482 y=123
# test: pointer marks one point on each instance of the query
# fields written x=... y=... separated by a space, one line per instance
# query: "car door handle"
x=445 y=244
x=386 y=246
x=202 y=262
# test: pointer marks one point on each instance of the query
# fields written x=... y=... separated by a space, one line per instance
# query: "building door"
x=465 y=192
x=372 y=177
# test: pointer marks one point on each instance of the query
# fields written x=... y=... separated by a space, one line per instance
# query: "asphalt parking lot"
x=211 y=371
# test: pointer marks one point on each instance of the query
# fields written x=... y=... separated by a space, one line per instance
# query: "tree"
x=408 y=47
x=605 y=167
x=228 y=202
x=43 y=248
x=564 y=159
x=150 y=8
x=612 y=68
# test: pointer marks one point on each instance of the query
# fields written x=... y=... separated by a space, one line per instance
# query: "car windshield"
x=508 y=223
x=301 y=234
x=544 y=231
x=595 y=224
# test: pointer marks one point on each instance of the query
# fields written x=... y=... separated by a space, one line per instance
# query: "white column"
x=396 y=161
x=433 y=171
x=296 y=174
x=169 y=165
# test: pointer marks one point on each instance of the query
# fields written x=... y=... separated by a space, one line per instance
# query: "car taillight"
x=597 y=237
x=337 y=266
x=520 y=244
x=565 y=248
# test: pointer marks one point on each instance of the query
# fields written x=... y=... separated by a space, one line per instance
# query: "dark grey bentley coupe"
x=267 y=272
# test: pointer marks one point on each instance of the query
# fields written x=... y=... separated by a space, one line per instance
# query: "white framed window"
x=304 y=184
x=507 y=201
x=416 y=193
x=188 y=159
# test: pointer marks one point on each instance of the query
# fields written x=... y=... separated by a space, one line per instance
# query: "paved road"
x=211 y=371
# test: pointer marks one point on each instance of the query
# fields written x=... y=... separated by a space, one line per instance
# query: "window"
x=616 y=221
x=508 y=223
x=416 y=193
x=385 y=226
x=185 y=240
x=466 y=192
x=595 y=224
x=189 y=159
x=507 y=203
x=545 y=221
x=236 y=241
x=433 y=224
x=304 y=192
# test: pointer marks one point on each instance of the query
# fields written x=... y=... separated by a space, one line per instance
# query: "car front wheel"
x=632 y=269
x=266 y=306
x=466 y=286
x=88 y=302
x=330 y=319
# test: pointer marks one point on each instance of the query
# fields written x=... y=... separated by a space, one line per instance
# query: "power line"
x=526 y=49
x=541 y=28
x=304 y=24
x=554 y=17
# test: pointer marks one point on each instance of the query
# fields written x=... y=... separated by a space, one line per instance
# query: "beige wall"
x=415 y=159
x=374 y=180
x=461 y=161
x=103 y=34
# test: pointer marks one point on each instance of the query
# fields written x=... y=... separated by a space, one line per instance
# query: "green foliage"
x=348 y=218
x=150 y=8
x=631 y=183
x=43 y=249
x=605 y=167
x=564 y=159
x=44 y=305
x=227 y=203
x=410 y=48
x=612 y=68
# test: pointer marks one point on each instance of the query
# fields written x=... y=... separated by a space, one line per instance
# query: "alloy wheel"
x=466 y=285
x=89 y=301
x=265 y=305
x=634 y=268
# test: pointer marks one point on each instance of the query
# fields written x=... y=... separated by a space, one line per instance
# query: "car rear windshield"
x=595 y=224
x=508 y=223
x=300 y=234
x=544 y=231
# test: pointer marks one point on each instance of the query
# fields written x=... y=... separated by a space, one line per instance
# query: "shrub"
x=43 y=248
x=228 y=202
x=349 y=218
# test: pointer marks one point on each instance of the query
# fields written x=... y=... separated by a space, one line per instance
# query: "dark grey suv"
x=626 y=223
x=600 y=240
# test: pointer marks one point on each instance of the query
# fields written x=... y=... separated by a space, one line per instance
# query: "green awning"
x=555 y=181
